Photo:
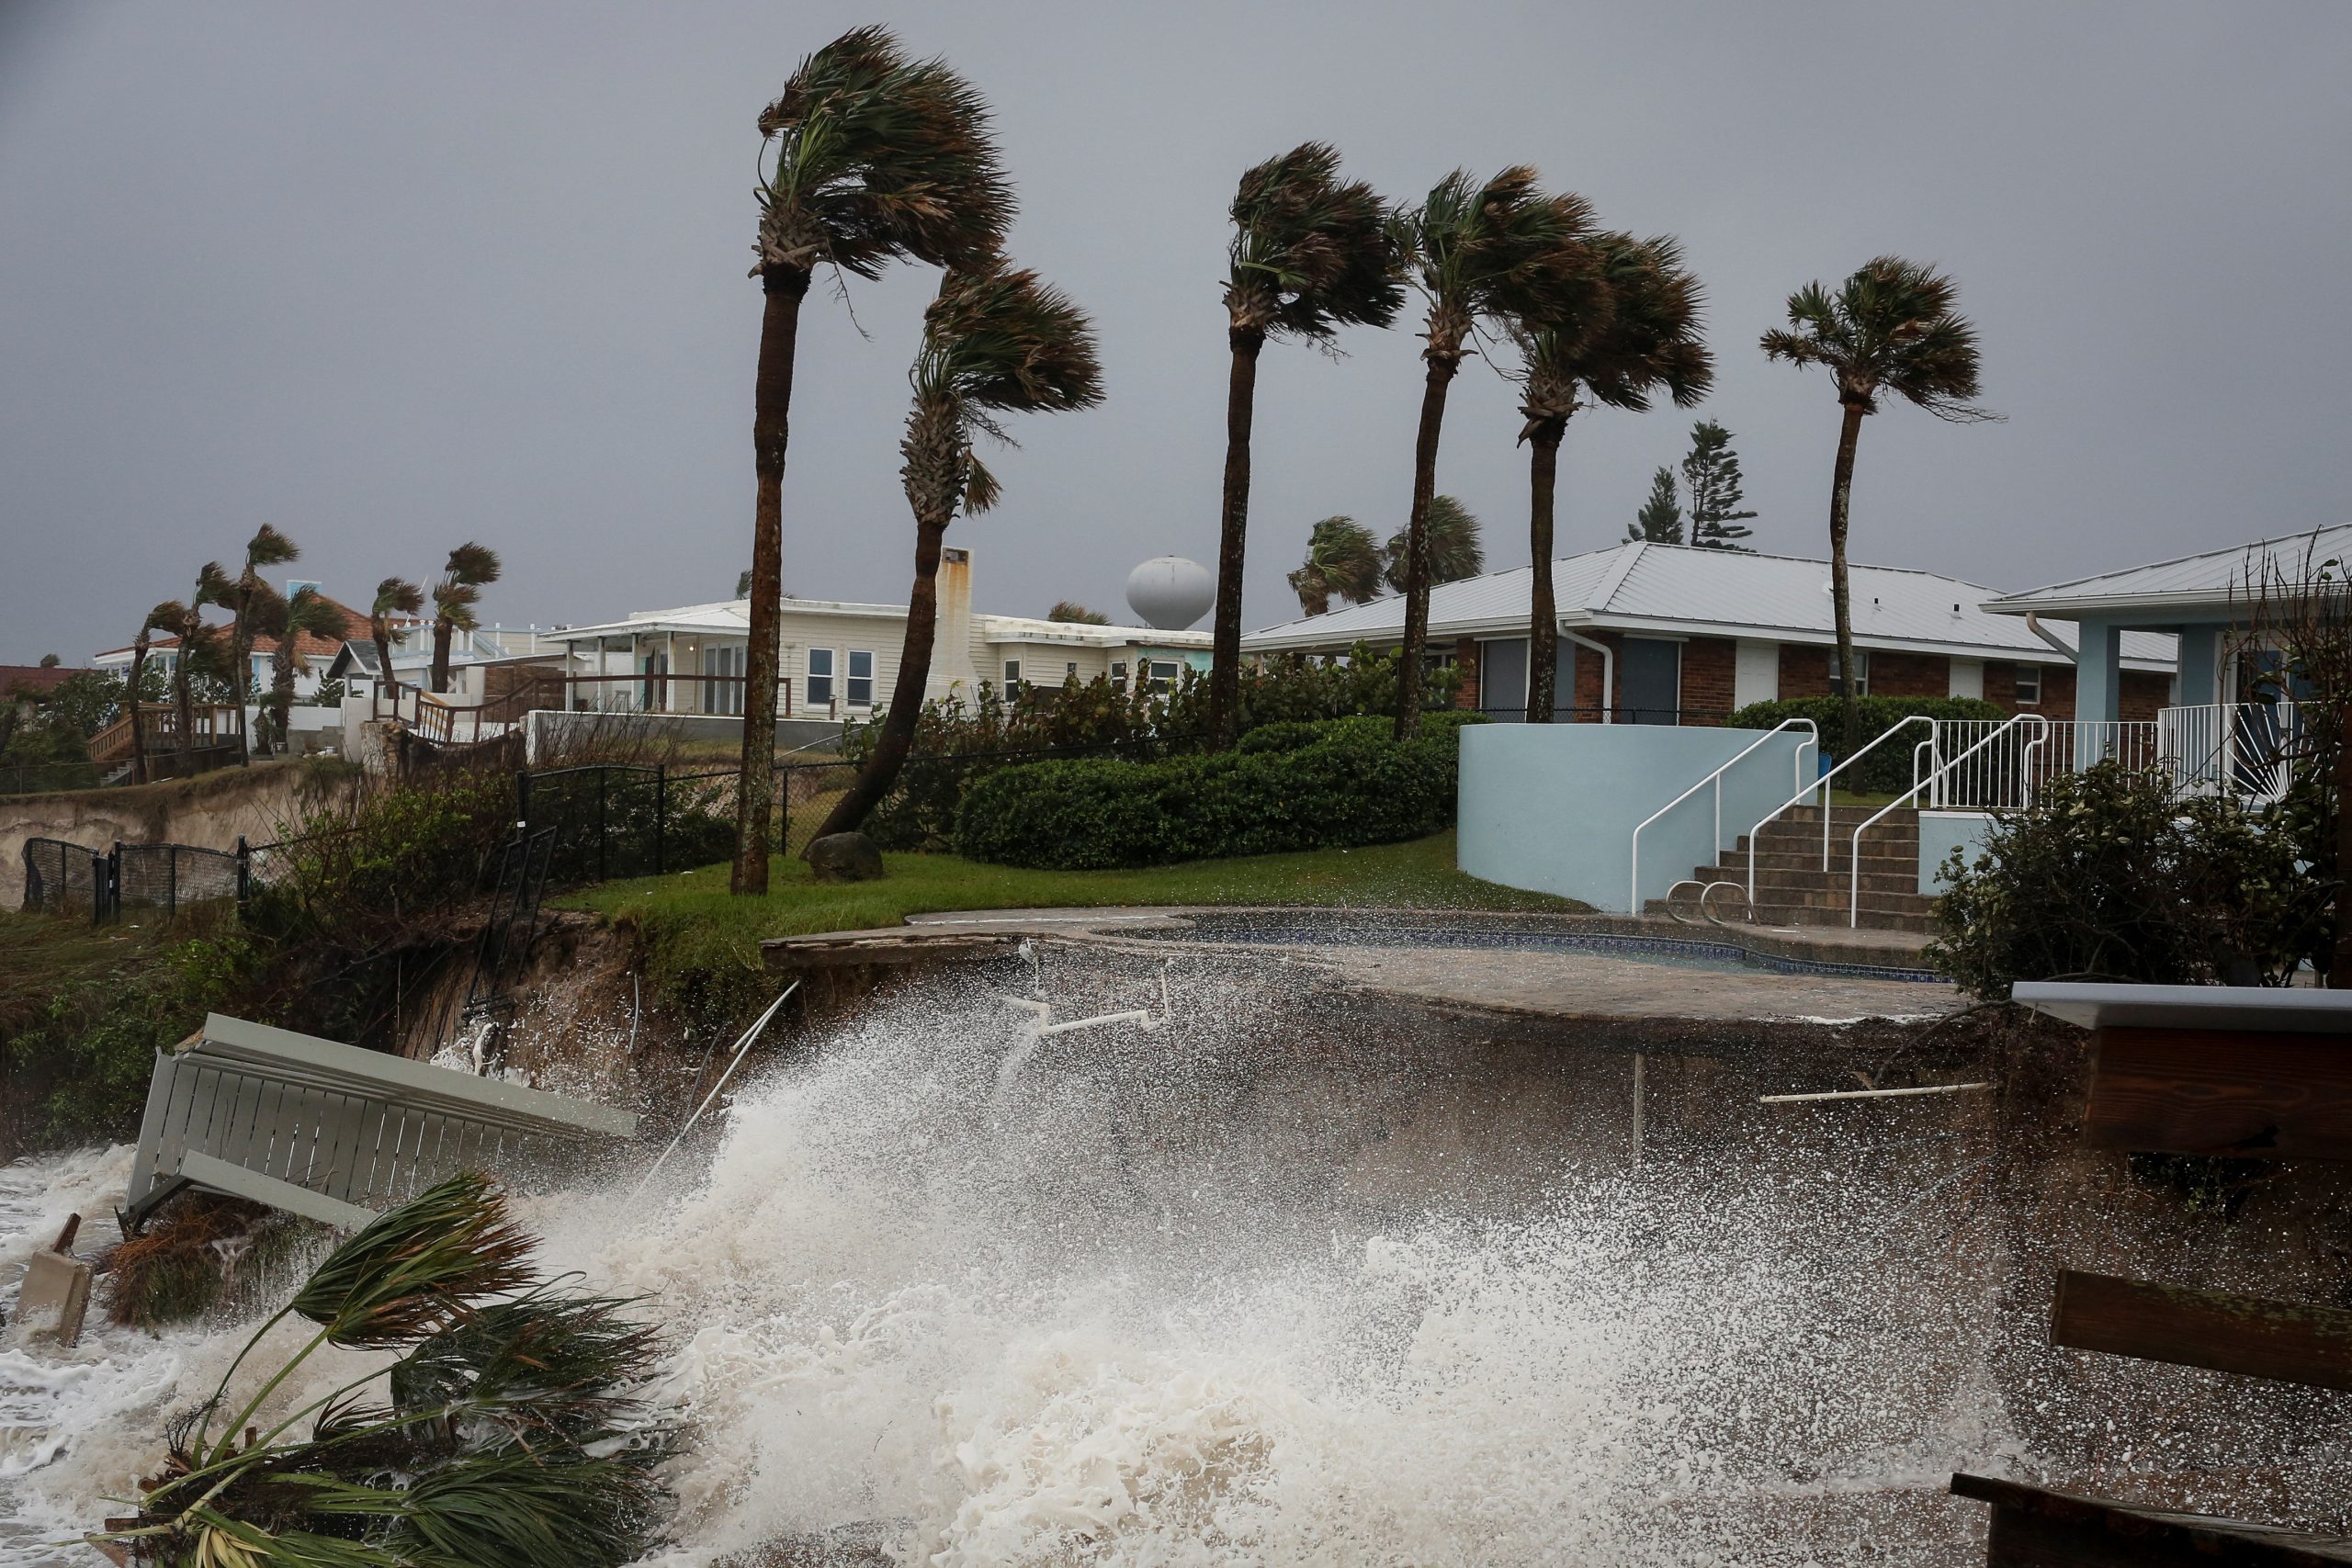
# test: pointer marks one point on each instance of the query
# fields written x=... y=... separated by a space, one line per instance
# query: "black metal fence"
x=619 y=819
x=63 y=878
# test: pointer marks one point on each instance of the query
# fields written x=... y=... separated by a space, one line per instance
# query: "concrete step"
x=1809 y=860
x=1903 y=881
x=1889 y=831
x=1848 y=816
x=1816 y=915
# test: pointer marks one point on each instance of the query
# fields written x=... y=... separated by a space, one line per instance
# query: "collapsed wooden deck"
x=2241 y=1072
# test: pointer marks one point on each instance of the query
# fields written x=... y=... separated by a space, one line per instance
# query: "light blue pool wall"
x=1552 y=807
x=1941 y=832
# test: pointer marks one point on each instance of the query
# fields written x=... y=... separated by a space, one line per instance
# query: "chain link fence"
x=621 y=820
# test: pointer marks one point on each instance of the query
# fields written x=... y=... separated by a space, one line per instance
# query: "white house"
x=840 y=660
x=1669 y=634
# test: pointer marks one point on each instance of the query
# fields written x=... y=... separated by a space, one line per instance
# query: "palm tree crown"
x=1621 y=343
x=1342 y=562
x=1891 y=327
x=1492 y=252
x=994 y=341
x=878 y=157
x=1309 y=253
x=1456 y=551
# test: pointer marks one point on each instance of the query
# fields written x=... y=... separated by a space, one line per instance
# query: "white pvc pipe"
x=1867 y=1093
x=743 y=1049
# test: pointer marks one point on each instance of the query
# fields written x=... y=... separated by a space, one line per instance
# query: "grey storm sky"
x=395 y=277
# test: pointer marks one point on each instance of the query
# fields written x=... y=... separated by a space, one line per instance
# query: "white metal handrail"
x=1854 y=850
x=1634 y=904
x=2243 y=748
x=1756 y=834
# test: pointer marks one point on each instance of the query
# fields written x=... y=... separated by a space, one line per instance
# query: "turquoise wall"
x=1552 y=807
x=1941 y=832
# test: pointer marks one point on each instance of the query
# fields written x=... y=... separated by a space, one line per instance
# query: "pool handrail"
x=1634 y=904
x=1854 y=853
x=1756 y=834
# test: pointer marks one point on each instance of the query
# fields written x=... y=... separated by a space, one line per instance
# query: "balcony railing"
x=2246 y=747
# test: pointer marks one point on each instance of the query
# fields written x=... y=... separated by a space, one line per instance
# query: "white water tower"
x=1170 y=593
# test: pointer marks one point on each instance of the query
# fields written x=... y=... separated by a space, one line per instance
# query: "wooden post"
x=2272 y=1095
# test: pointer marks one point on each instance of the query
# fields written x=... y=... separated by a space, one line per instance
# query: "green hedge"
x=1299 y=786
x=1888 y=771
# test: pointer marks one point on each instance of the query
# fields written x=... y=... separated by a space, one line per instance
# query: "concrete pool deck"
x=1452 y=958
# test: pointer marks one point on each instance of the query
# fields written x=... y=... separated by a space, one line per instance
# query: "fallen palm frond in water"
x=511 y=1438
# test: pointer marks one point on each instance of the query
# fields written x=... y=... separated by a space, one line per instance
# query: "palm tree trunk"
x=899 y=721
x=240 y=678
x=183 y=688
x=1543 y=621
x=1417 y=548
x=1841 y=489
x=384 y=682
x=784 y=288
x=131 y=706
x=441 y=630
x=1224 y=668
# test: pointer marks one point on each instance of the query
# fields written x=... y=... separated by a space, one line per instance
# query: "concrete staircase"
x=1792 y=889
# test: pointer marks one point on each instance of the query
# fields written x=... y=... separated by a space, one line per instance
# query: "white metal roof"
x=732 y=617
x=2280 y=1009
x=2216 y=577
x=1678 y=589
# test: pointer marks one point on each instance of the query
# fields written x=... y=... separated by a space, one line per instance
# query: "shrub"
x=1351 y=785
x=957 y=742
x=1888 y=771
x=2110 y=876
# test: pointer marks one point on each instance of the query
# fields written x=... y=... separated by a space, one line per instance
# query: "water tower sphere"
x=1170 y=593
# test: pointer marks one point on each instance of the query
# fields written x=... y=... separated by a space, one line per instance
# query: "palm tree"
x=1479 y=255
x=394 y=596
x=1454 y=546
x=1616 y=344
x=995 y=341
x=1342 y=562
x=196 y=643
x=505 y=1431
x=1072 y=613
x=250 y=597
x=877 y=158
x=306 y=612
x=164 y=618
x=469 y=570
x=1889 y=328
x=1309 y=254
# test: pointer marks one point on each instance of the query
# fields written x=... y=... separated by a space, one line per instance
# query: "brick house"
x=1667 y=634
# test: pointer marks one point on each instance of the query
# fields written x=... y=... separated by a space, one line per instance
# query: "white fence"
x=2246 y=748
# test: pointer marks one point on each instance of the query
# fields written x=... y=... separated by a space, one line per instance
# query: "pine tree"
x=1712 y=470
x=1660 y=520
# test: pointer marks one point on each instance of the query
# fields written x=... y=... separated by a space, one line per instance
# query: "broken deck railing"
x=331 y=1131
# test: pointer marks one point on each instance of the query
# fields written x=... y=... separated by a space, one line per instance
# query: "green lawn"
x=695 y=925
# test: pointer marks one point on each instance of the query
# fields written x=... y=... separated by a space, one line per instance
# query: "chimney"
x=951 y=656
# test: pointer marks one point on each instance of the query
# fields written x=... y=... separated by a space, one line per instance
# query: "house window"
x=1160 y=676
x=861 y=677
x=821 y=677
x=1071 y=667
x=2029 y=685
x=1119 y=672
x=1861 y=673
x=1011 y=674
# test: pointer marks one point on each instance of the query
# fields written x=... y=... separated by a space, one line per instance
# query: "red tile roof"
x=33 y=680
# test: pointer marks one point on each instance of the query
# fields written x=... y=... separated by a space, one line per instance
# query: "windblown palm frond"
x=1310 y=253
x=1342 y=562
x=995 y=340
x=1495 y=251
x=1623 y=344
x=1456 y=549
x=471 y=565
x=395 y=596
x=1891 y=327
x=512 y=1425
x=1070 y=612
x=878 y=157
